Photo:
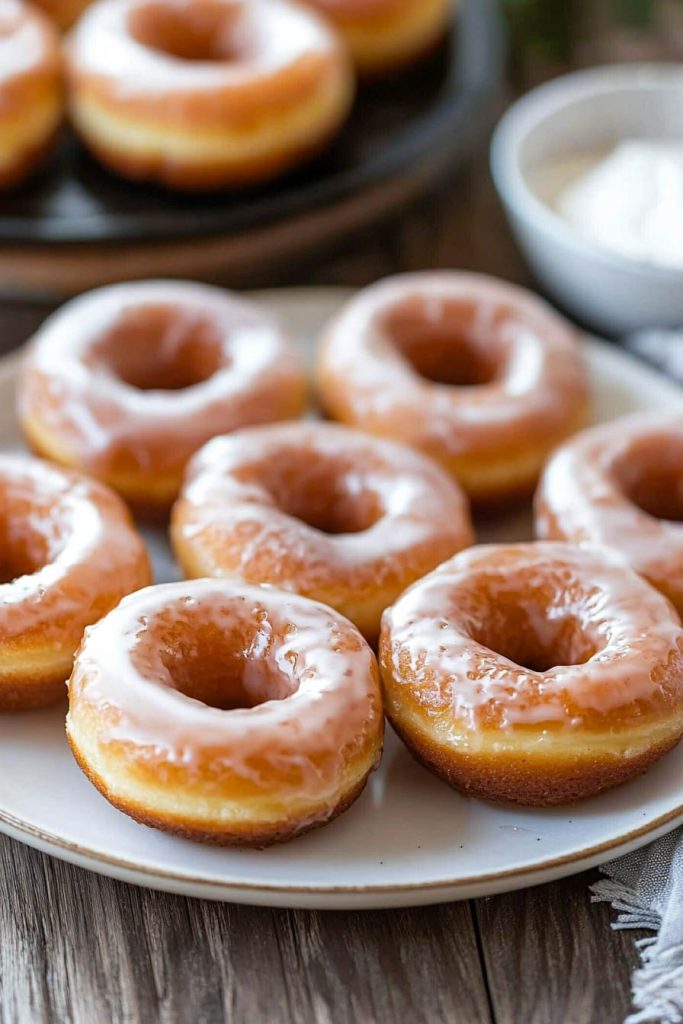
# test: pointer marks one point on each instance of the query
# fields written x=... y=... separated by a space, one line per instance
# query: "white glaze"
x=273 y=35
x=91 y=547
x=333 y=710
x=581 y=499
x=539 y=383
x=634 y=629
x=631 y=201
x=23 y=42
x=228 y=488
x=99 y=414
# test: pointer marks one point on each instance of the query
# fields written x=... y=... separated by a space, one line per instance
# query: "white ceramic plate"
x=409 y=839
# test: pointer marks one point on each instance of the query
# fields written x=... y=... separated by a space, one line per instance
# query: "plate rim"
x=75 y=853
x=436 y=890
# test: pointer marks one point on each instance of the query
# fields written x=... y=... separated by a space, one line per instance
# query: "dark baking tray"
x=429 y=112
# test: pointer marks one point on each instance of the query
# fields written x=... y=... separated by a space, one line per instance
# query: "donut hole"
x=538 y=635
x=26 y=548
x=651 y=477
x=159 y=348
x=200 y=30
x=323 y=492
x=225 y=665
x=440 y=340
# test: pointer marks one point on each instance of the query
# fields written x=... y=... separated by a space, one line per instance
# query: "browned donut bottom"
x=533 y=673
x=246 y=836
x=230 y=714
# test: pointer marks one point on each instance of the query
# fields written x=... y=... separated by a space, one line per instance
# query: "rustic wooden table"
x=79 y=949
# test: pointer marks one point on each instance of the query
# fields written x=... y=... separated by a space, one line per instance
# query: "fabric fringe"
x=657 y=985
x=632 y=914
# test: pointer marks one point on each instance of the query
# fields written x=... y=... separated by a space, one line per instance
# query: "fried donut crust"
x=533 y=673
x=127 y=382
x=70 y=554
x=226 y=713
x=206 y=94
x=619 y=485
x=480 y=375
x=241 y=834
x=387 y=36
x=320 y=510
x=31 y=93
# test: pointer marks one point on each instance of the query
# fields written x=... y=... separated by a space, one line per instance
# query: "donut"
x=384 y=35
x=226 y=713
x=320 y=510
x=199 y=94
x=31 y=99
x=69 y=554
x=478 y=374
x=619 y=485
x=533 y=673
x=128 y=381
x=63 y=13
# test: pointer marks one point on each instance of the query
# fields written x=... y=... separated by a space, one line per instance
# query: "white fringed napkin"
x=646 y=888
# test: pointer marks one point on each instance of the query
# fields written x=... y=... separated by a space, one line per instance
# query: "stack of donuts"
x=246 y=704
x=196 y=94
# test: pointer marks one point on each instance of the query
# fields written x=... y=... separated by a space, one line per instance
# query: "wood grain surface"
x=76 y=948
x=550 y=956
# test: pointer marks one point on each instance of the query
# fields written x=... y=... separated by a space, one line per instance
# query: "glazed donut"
x=620 y=485
x=383 y=35
x=534 y=673
x=127 y=382
x=200 y=94
x=478 y=374
x=69 y=554
x=31 y=100
x=226 y=713
x=320 y=510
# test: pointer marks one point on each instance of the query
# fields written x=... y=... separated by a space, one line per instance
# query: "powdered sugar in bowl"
x=556 y=156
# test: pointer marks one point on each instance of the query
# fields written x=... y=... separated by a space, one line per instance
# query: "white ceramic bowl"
x=588 y=111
